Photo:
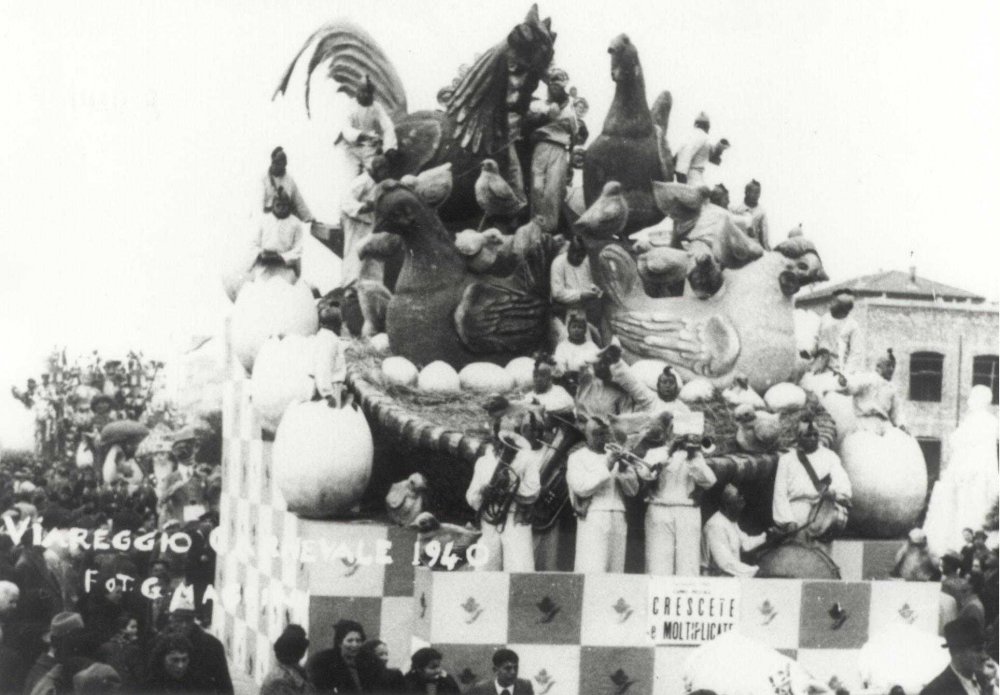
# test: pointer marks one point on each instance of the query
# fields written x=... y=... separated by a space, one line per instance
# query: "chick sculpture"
x=430 y=529
x=405 y=500
x=440 y=310
x=494 y=194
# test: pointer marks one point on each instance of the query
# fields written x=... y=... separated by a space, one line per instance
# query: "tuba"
x=499 y=493
x=554 y=494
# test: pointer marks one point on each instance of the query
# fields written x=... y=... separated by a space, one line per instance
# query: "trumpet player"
x=598 y=484
x=673 y=517
x=505 y=481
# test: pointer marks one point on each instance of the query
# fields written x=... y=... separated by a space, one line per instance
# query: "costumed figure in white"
x=577 y=351
x=876 y=403
x=278 y=243
x=812 y=493
x=505 y=481
x=967 y=489
x=724 y=539
x=697 y=151
x=369 y=130
x=837 y=331
x=598 y=484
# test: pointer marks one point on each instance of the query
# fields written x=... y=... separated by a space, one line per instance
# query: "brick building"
x=945 y=340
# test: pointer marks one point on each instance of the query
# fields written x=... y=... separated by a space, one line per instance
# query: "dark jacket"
x=521 y=687
x=286 y=680
x=208 y=661
x=946 y=683
x=328 y=673
x=42 y=665
x=385 y=681
x=446 y=684
x=126 y=658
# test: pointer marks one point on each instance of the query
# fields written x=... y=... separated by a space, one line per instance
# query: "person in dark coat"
x=123 y=653
x=505 y=680
x=965 y=640
x=336 y=669
x=208 y=658
x=427 y=676
x=288 y=678
x=172 y=669
x=376 y=676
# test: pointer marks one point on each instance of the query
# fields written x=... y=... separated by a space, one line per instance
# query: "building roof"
x=894 y=284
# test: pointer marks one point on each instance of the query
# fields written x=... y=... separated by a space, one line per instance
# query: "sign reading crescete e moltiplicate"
x=691 y=610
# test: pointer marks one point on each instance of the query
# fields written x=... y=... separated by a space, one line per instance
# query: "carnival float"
x=429 y=348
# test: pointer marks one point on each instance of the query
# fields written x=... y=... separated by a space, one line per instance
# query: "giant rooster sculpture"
x=474 y=126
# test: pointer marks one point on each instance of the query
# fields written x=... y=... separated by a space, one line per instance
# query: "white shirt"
x=570 y=357
x=722 y=541
x=679 y=478
x=284 y=237
x=837 y=336
x=694 y=152
x=794 y=492
x=329 y=362
x=588 y=477
x=370 y=120
x=527 y=465
x=568 y=281
x=970 y=686
x=555 y=400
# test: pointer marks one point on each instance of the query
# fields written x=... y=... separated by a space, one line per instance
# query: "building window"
x=926 y=369
x=984 y=372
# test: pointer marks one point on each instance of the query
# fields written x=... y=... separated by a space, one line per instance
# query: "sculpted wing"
x=493 y=318
x=708 y=347
x=471 y=104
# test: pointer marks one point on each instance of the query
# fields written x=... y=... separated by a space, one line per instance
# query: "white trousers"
x=673 y=540
x=600 y=542
x=511 y=550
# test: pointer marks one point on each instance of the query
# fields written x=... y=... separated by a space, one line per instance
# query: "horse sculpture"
x=474 y=126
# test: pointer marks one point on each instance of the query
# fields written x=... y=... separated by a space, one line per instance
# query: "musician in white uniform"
x=811 y=488
x=597 y=486
x=552 y=397
x=508 y=536
x=673 y=517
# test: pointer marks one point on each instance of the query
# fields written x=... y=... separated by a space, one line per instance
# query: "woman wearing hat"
x=156 y=454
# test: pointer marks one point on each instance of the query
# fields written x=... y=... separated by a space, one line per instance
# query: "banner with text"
x=692 y=610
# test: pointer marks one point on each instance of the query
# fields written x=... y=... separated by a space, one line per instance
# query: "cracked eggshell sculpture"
x=782 y=397
x=322 y=458
x=697 y=391
x=270 y=307
x=888 y=482
x=281 y=376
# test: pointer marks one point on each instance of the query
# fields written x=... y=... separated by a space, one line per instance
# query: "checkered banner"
x=593 y=633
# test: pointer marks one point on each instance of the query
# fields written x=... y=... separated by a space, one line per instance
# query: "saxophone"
x=499 y=493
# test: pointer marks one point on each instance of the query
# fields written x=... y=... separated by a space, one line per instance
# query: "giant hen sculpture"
x=626 y=150
x=440 y=310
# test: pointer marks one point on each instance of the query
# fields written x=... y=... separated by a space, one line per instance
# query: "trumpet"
x=622 y=454
x=693 y=444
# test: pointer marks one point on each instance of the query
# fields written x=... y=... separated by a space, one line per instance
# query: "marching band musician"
x=508 y=539
x=811 y=488
x=724 y=539
x=598 y=484
x=673 y=517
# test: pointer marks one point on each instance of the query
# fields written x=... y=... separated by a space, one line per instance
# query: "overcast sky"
x=136 y=134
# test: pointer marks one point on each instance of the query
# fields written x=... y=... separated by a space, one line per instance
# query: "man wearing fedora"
x=965 y=675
